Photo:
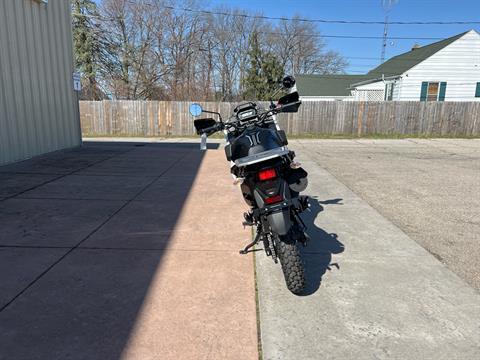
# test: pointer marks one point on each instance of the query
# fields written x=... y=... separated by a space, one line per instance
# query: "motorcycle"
x=269 y=177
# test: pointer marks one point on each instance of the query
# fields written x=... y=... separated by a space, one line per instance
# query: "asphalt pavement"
x=429 y=188
x=373 y=292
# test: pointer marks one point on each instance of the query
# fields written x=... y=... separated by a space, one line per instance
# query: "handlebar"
x=279 y=109
x=210 y=130
x=221 y=125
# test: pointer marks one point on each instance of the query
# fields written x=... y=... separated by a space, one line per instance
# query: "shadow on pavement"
x=318 y=253
x=72 y=302
x=179 y=145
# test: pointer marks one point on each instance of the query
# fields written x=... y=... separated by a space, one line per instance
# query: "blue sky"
x=370 y=10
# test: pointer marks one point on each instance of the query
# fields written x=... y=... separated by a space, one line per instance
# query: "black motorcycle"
x=270 y=179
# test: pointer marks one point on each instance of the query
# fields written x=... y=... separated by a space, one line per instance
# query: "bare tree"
x=301 y=49
x=151 y=49
x=231 y=34
x=129 y=32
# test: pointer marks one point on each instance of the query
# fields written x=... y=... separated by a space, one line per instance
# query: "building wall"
x=38 y=107
x=458 y=64
x=370 y=92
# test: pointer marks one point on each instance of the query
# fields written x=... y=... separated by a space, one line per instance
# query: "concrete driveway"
x=120 y=251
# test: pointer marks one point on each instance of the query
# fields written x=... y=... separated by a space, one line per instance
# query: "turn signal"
x=238 y=181
x=274 y=199
x=295 y=165
x=267 y=174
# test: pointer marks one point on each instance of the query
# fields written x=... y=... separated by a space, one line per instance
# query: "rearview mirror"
x=288 y=82
x=201 y=124
x=196 y=109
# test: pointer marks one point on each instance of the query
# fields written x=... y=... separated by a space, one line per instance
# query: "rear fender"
x=279 y=220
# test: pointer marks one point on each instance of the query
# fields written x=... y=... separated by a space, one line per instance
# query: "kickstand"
x=253 y=243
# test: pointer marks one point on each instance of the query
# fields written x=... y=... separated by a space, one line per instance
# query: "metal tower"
x=387 y=7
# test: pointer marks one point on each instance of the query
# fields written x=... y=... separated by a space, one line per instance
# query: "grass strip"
x=257 y=303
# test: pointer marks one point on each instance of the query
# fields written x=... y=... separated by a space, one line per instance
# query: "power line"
x=359 y=22
x=356 y=36
x=284 y=33
x=377 y=37
x=363 y=65
x=303 y=35
x=371 y=77
x=324 y=36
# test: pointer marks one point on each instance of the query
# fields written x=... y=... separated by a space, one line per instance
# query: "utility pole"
x=387 y=7
x=384 y=40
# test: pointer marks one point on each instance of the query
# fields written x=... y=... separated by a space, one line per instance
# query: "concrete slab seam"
x=257 y=307
x=62 y=176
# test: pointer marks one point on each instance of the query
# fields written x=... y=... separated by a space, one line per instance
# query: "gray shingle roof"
x=339 y=85
x=327 y=85
x=403 y=62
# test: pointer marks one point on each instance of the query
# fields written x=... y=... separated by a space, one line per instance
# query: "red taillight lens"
x=267 y=174
x=274 y=199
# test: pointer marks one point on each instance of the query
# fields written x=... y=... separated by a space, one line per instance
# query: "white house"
x=448 y=70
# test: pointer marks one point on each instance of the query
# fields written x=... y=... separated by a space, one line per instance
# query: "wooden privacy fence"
x=172 y=118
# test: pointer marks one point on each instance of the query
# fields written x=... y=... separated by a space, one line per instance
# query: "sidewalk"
x=124 y=251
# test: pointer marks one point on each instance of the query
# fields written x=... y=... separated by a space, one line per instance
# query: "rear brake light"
x=274 y=199
x=267 y=174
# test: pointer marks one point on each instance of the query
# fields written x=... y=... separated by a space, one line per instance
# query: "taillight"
x=274 y=199
x=267 y=174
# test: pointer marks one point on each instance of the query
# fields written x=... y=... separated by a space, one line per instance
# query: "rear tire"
x=292 y=265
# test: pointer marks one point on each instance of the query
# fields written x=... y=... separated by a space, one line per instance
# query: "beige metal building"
x=38 y=104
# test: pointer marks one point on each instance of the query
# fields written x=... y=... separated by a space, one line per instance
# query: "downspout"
x=385 y=96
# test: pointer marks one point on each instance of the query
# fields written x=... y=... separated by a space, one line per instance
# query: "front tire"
x=292 y=265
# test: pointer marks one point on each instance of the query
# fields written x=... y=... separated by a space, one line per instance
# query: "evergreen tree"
x=264 y=72
x=87 y=48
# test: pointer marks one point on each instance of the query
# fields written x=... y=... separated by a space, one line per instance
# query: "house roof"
x=327 y=85
x=403 y=62
x=340 y=85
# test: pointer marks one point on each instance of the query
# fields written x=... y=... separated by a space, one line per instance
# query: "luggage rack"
x=262 y=156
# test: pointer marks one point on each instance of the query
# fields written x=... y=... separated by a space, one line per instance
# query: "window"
x=389 y=91
x=433 y=91
x=477 y=90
